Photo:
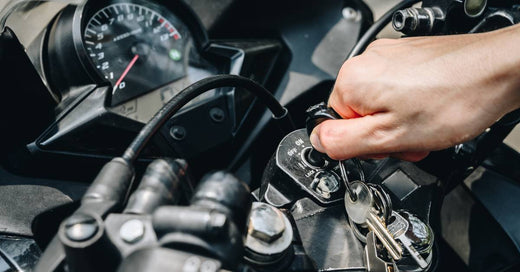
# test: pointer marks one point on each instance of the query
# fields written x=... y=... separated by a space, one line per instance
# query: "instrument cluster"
x=140 y=48
x=114 y=63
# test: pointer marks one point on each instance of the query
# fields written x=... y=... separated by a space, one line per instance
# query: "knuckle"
x=349 y=79
x=352 y=73
x=347 y=69
x=386 y=138
x=380 y=140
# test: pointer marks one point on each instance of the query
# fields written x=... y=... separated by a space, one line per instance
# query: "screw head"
x=80 y=227
x=266 y=222
x=349 y=14
x=217 y=115
x=178 y=133
x=132 y=231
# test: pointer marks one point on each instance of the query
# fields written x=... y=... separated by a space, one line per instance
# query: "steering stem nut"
x=266 y=223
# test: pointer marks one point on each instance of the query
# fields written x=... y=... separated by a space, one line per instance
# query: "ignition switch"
x=316 y=115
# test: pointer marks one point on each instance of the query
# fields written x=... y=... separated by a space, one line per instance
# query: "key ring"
x=346 y=181
x=382 y=200
x=355 y=229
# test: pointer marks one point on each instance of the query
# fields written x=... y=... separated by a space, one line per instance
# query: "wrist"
x=508 y=68
x=496 y=57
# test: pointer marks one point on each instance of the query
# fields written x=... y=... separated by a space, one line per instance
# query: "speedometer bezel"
x=177 y=8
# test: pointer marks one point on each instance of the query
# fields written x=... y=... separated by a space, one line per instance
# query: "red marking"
x=176 y=36
x=161 y=20
x=171 y=30
x=132 y=62
x=167 y=25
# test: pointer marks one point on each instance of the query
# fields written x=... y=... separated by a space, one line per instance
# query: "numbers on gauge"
x=136 y=47
x=103 y=31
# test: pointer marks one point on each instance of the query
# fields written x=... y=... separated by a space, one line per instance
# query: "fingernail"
x=315 y=141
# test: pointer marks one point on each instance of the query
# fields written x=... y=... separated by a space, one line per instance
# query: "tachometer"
x=136 y=48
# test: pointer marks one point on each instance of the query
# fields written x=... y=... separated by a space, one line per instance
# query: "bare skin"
x=404 y=98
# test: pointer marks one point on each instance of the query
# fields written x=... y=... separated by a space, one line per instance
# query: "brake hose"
x=372 y=32
x=279 y=112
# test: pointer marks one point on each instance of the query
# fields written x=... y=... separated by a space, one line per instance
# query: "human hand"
x=406 y=97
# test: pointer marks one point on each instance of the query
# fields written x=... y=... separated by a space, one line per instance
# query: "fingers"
x=341 y=99
x=410 y=156
x=348 y=138
x=405 y=156
x=356 y=92
x=369 y=136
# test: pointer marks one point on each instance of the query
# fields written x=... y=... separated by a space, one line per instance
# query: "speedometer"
x=136 y=47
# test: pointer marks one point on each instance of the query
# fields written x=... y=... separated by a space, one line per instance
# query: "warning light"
x=175 y=55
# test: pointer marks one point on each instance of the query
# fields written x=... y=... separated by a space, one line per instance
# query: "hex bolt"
x=403 y=20
x=178 y=133
x=81 y=227
x=266 y=222
x=415 y=21
x=217 y=222
x=132 y=231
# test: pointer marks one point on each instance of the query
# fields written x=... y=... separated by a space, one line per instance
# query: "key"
x=358 y=208
x=363 y=210
x=373 y=262
x=375 y=224
x=398 y=229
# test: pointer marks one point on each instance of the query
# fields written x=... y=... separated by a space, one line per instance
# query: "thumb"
x=347 y=138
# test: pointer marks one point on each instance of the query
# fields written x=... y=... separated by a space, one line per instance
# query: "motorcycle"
x=198 y=114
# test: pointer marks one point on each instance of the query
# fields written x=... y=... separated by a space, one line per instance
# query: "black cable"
x=372 y=32
x=194 y=90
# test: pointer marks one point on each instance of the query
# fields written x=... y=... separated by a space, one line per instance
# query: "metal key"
x=373 y=262
x=398 y=229
x=363 y=210
x=375 y=224
x=359 y=207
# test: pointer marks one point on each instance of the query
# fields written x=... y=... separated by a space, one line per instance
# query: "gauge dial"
x=136 y=48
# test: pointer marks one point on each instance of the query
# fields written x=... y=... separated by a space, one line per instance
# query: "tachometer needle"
x=127 y=69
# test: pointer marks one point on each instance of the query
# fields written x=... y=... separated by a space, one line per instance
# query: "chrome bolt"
x=349 y=14
x=80 y=227
x=266 y=222
x=132 y=231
